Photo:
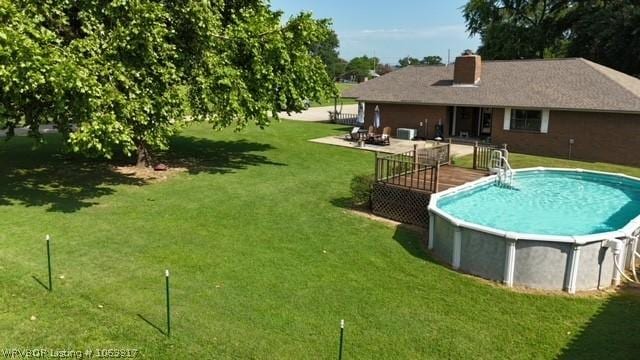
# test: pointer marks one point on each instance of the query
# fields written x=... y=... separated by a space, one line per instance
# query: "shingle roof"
x=569 y=84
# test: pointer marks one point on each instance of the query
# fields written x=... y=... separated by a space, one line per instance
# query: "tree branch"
x=262 y=34
x=283 y=28
x=223 y=37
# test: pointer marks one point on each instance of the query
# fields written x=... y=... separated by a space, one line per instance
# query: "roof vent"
x=467 y=69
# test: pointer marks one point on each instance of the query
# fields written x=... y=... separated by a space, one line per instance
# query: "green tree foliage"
x=340 y=68
x=39 y=80
x=383 y=69
x=427 y=60
x=327 y=50
x=515 y=29
x=607 y=32
x=431 y=60
x=408 y=60
x=129 y=74
x=361 y=67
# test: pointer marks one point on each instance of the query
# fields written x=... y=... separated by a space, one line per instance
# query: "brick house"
x=571 y=108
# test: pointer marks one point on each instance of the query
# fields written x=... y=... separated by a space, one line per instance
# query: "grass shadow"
x=64 y=183
x=200 y=155
x=45 y=177
x=160 y=330
x=413 y=240
x=347 y=204
x=612 y=333
x=41 y=283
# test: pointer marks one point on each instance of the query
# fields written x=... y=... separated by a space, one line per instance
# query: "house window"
x=528 y=120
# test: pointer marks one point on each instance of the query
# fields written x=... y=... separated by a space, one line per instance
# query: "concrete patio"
x=397 y=145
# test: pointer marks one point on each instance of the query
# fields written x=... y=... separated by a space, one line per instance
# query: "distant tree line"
x=427 y=60
x=604 y=31
x=364 y=66
x=356 y=69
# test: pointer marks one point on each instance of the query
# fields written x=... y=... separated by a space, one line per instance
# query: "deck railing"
x=343 y=118
x=482 y=154
x=441 y=153
x=415 y=169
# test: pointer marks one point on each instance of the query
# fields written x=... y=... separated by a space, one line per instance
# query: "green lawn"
x=265 y=262
x=329 y=102
x=519 y=161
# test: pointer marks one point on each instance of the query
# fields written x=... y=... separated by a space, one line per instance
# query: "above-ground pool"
x=554 y=229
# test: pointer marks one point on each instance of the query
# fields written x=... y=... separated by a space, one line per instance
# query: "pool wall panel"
x=595 y=269
x=443 y=244
x=542 y=265
x=483 y=254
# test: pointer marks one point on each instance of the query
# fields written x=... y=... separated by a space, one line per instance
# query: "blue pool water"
x=550 y=203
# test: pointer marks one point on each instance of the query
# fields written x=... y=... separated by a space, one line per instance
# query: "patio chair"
x=371 y=135
x=354 y=135
x=385 y=138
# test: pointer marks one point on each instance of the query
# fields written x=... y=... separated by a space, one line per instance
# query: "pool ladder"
x=499 y=164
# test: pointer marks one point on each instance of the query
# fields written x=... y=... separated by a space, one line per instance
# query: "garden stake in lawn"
x=341 y=339
x=49 y=261
x=166 y=275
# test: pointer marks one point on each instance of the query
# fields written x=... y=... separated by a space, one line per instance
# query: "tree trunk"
x=144 y=155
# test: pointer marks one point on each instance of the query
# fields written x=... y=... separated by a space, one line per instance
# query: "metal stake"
x=166 y=275
x=48 y=238
x=341 y=339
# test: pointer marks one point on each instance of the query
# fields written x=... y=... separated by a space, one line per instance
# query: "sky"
x=391 y=30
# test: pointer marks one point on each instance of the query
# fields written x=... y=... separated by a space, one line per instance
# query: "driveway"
x=24 y=131
x=318 y=113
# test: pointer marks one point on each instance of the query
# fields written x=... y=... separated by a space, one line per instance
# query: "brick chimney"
x=467 y=70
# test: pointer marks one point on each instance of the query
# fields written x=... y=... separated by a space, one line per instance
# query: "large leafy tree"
x=39 y=79
x=408 y=60
x=516 y=29
x=129 y=74
x=431 y=60
x=607 y=32
x=383 y=69
x=327 y=50
x=360 y=67
x=427 y=60
x=340 y=68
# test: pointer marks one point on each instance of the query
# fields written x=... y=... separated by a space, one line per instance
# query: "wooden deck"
x=452 y=176
x=448 y=177
x=405 y=181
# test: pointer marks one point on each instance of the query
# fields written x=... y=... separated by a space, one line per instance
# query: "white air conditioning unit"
x=406 y=134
